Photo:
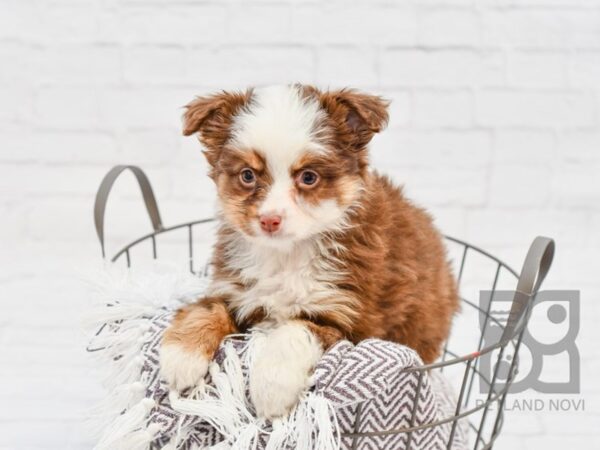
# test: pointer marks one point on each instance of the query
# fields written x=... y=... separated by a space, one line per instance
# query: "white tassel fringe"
x=133 y=301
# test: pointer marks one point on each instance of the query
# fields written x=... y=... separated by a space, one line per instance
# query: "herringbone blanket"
x=361 y=393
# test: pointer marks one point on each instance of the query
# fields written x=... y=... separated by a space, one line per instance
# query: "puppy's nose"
x=270 y=224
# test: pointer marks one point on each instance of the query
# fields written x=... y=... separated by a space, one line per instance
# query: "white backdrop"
x=495 y=128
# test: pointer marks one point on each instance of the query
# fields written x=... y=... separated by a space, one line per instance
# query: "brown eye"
x=308 y=178
x=247 y=177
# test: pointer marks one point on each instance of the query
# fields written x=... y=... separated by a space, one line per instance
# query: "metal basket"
x=485 y=417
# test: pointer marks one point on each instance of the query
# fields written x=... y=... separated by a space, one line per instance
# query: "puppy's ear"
x=212 y=117
x=358 y=116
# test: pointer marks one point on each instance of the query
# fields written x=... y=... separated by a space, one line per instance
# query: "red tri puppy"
x=313 y=246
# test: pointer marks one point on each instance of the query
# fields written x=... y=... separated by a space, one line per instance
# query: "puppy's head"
x=288 y=161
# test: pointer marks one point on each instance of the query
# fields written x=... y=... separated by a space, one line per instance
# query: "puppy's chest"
x=284 y=285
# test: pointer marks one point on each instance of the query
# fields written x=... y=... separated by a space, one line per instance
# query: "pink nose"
x=270 y=224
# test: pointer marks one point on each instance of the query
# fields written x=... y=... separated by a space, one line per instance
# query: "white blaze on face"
x=280 y=124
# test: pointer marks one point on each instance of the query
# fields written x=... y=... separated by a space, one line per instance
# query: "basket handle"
x=104 y=191
x=535 y=268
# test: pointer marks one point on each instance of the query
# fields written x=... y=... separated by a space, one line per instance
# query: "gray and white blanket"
x=363 y=396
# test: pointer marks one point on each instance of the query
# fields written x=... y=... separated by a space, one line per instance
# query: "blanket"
x=373 y=381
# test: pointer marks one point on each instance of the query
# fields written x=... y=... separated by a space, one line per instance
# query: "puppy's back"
x=399 y=269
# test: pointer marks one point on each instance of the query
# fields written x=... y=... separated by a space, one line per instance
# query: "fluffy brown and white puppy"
x=313 y=247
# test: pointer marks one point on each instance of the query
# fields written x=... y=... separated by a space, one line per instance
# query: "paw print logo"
x=548 y=360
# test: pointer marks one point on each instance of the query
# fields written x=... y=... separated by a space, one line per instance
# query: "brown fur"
x=327 y=335
x=397 y=269
x=240 y=203
x=201 y=327
x=214 y=115
x=397 y=284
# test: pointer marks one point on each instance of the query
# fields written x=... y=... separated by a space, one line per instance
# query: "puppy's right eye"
x=247 y=178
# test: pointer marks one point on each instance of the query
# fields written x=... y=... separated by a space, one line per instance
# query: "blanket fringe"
x=128 y=431
x=311 y=425
x=125 y=313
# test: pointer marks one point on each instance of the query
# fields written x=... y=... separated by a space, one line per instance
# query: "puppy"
x=313 y=247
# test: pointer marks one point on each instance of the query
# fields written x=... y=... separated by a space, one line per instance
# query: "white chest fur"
x=284 y=283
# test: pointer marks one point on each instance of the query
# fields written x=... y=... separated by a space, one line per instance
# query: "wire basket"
x=482 y=410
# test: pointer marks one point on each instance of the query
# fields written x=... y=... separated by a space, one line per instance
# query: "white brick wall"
x=495 y=128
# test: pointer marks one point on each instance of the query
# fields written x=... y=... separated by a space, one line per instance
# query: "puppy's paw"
x=281 y=369
x=181 y=368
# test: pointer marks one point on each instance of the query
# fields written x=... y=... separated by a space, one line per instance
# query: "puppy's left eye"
x=248 y=178
x=308 y=178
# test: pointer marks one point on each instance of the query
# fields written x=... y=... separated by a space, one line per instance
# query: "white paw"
x=181 y=368
x=281 y=369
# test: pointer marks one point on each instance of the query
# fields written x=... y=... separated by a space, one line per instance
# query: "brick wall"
x=494 y=127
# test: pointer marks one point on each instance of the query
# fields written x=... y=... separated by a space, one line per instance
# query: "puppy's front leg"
x=191 y=341
x=283 y=363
